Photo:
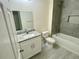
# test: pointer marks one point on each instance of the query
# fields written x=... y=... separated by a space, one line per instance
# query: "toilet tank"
x=45 y=34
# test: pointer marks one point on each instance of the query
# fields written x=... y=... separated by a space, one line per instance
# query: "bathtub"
x=70 y=43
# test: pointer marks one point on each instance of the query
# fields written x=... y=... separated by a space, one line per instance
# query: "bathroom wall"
x=50 y=16
x=5 y=2
x=70 y=9
x=41 y=14
x=20 y=5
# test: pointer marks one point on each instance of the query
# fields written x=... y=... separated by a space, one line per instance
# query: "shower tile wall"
x=70 y=7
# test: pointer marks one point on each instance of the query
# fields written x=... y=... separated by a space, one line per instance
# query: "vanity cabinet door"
x=36 y=45
x=26 y=51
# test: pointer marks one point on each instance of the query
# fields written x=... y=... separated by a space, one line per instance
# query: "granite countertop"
x=24 y=36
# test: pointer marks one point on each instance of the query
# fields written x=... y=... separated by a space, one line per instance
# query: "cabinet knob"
x=21 y=50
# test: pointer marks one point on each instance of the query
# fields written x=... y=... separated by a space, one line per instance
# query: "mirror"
x=23 y=20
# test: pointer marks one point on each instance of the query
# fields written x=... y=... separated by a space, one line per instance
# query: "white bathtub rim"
x=59 y=40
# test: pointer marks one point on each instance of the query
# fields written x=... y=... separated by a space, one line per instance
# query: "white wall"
x=20 y=5
x=50 y=16
x=41 y=14
x=43 y=10
x=5 y=2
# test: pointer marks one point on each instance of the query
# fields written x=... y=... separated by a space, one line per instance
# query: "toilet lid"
x=51 y=40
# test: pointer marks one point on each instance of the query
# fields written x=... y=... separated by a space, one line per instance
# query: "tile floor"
x=54 y=53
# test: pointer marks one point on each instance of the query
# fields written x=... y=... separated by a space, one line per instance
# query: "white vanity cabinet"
x=30 y=47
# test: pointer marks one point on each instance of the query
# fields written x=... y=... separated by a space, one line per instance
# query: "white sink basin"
x=28 y=36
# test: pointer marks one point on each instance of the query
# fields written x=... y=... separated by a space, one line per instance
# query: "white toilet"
x=48 y=39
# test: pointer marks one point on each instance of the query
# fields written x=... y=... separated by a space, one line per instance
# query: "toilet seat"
x=50 y=40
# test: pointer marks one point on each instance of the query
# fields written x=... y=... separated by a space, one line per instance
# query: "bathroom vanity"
x=29 y=40
x=29 y=44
